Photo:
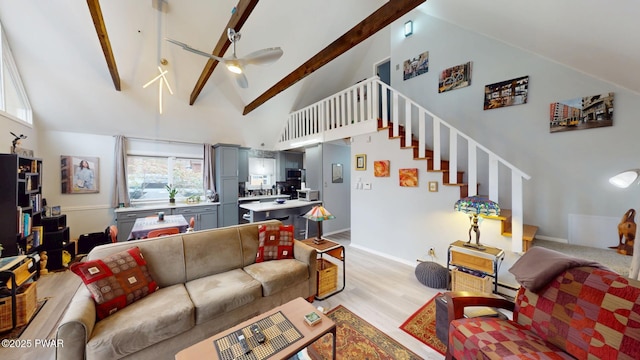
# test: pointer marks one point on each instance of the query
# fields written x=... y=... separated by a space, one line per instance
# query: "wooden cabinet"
x=227 y=183
x=20 y=201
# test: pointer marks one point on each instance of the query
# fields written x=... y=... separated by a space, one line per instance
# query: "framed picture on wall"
x=336 y=173
x=361 y=162
x=79 y=174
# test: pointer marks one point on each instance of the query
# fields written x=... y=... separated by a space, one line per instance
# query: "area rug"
x=422 y=326
x=357 y=339
x=17 y=331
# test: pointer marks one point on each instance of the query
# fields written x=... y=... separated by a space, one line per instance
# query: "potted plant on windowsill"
x=172 y=193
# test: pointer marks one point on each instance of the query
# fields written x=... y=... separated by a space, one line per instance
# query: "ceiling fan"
x=234 y=64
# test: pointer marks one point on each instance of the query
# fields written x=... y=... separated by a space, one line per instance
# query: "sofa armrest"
x=76 y=326
x=458 y=300
x=307 y=254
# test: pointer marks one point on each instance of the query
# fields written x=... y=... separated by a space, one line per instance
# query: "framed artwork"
x=361 y=162
x=381 y=168
x=416 y=66
x=581 y=113
x=506 y=93
x=408 y=177
x=55 y=210
x=79 y=174
x=455 y=77
x=433 y=186
x=336 y=173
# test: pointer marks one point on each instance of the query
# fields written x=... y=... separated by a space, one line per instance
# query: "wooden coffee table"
x=294 y=311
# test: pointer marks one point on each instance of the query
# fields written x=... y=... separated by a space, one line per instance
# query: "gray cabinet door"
x=207 y=219
x=243 y=165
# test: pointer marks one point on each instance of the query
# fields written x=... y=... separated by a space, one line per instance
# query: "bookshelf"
x=21 y=195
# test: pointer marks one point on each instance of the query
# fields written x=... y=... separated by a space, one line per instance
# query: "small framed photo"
x=433 y=186
x=361 y=162
x=55 y=210
x=312 y=318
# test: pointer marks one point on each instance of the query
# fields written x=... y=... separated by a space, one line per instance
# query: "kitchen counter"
x=272 y=205
x=262 y=197
x=163 y=205
x=290 y=213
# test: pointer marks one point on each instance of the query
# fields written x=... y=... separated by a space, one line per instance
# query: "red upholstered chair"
x=163 y=232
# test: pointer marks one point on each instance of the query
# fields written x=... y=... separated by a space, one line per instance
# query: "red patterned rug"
x=422 y=326
x=357 y=339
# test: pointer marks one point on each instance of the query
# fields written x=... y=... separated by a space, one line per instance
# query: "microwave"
x=308 y=195
x=295 y=174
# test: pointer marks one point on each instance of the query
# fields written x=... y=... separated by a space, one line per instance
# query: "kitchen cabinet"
x=205 y=215
x=243 y=164
x=227 y=183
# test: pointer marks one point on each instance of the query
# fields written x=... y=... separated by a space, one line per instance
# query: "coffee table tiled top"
x=294 y=311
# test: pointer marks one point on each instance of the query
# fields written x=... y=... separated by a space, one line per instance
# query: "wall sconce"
x=625 y=179
x=408 y=28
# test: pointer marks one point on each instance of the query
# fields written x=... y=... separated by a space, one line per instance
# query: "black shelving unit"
x=20 y=198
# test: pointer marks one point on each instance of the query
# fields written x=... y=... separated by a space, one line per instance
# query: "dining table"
x=143 y=226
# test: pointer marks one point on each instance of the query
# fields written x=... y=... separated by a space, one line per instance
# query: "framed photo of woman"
x=79 y=174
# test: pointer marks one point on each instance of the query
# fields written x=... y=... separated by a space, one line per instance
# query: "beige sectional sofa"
x=208 y=281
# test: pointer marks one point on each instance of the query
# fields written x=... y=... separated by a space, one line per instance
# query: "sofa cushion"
x=159 y=316
x=278 y=275
x=217 y=294
x=493 y=338
x=212 y=252
x=116 y=280
x=275 y=242
x=164 y=256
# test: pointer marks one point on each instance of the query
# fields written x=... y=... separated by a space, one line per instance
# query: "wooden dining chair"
x=113 y=233
x=163 y=232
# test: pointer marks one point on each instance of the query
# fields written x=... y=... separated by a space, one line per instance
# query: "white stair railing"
x=356 y=110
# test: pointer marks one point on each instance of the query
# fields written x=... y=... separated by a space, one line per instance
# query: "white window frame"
x=9 y=65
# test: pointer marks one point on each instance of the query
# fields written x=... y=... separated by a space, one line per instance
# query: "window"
x=152 y=165
x=13 y=98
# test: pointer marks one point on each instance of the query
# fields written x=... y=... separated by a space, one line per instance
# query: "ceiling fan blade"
x=264 y=56
x=241 y=80
x=195 y=51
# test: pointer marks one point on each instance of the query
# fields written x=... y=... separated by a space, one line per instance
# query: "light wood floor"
x=381 y=291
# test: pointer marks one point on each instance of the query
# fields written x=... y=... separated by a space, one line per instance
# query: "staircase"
x=371 y=105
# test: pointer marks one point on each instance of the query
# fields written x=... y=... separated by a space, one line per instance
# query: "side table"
x=485 y=261
x=334 y=250
x=14 y=272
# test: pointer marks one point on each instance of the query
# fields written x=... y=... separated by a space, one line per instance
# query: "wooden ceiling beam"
x=385 y=15
x=101 y=29
x=239 y=17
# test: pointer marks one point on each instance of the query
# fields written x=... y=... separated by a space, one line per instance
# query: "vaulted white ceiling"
x=66 y=77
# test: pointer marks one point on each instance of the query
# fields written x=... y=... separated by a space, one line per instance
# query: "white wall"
x=85 y=212
x=569 y=170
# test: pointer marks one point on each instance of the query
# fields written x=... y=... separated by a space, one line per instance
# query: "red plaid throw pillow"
x=116 y=281
x=276 y=242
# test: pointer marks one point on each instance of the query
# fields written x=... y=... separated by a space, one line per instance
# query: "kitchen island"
x=289 y=213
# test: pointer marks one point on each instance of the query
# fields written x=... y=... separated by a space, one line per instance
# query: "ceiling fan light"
x=234 y=68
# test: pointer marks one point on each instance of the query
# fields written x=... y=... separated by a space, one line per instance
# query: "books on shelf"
x=24 y=222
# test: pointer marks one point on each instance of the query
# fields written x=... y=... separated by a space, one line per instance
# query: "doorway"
x=383 y=71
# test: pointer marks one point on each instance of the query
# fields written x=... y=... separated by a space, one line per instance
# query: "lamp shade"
x=477 y=205
x=624 y=179
x=318 y=213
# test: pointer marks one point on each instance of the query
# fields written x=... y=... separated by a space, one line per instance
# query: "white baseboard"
x=387 y=256
x=549 y=238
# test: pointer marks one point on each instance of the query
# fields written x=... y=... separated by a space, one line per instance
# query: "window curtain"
x=121 y=193
x=207 y=172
